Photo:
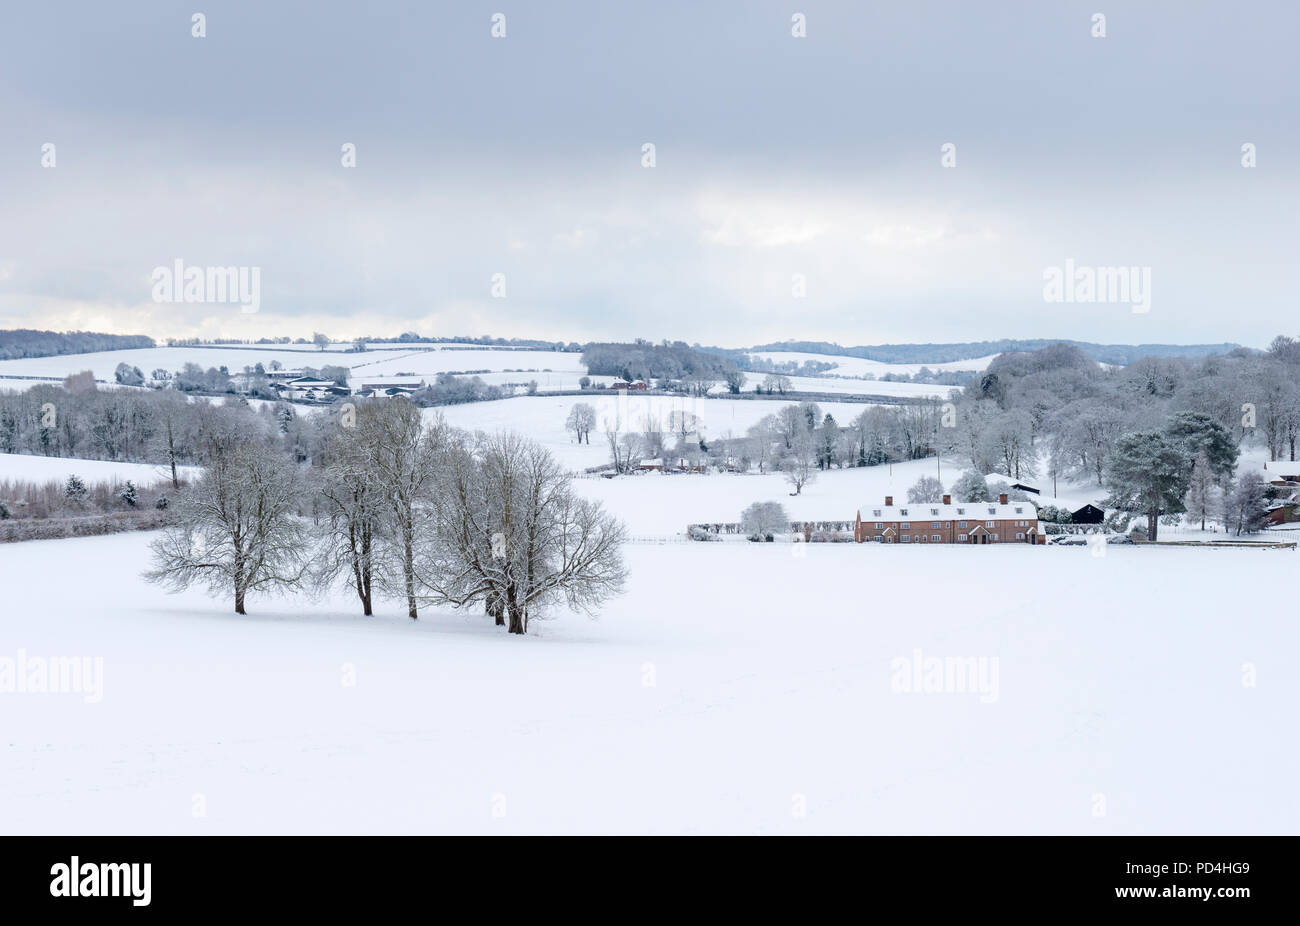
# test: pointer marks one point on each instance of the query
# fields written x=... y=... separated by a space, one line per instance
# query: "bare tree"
x=354 y=510
x=511 y=534
x=581 y=421
x=763 y=519
x=926 y=489
x=237 y=528
x=404 y=461
x=800 y=464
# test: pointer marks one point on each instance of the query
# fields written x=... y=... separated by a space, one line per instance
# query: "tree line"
x=27 y=342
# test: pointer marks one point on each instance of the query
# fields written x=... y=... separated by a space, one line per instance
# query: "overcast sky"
x=774 y=156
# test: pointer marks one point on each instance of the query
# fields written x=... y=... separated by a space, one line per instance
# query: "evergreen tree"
x=1148 y=474
x=128 y=494
x=74 y=490
x=1195 y=434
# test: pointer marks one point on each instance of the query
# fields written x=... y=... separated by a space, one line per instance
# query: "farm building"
x=943 y=522
x=1088 y=514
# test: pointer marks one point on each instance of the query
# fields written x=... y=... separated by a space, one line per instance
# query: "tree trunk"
x=408 y=570
x=239 y=600
x=496 y=608
x=1153 y=524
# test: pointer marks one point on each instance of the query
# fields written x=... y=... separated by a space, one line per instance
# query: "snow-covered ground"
x=542 y=418
x=553 y=371
x=848 y=386
x=734 y=688
x=15 y=466
x=857 y=366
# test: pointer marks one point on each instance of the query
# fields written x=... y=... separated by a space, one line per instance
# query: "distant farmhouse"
x=966 y=522
x=634 y=386
x=306 y=389
x=387 y=390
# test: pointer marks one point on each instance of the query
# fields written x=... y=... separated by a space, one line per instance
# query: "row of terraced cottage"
x=965 y=522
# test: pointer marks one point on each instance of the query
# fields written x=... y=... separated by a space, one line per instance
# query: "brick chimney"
x=1002 y=499
x=889 y=501
x=947 y=499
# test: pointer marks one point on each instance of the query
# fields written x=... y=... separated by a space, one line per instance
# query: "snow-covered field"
x=41 y=469
x=858 y=366
x=553 y=371
x=832 y=383
x=542 y=418
x=735 y=688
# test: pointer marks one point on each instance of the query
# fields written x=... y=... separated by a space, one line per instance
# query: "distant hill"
x=1123 y=354
x=26 y=342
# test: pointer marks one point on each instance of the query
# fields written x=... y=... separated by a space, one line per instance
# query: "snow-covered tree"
x=404 y=465
x=351 y=529
x=1201 y=498
x=1244 y=510
x=128 y=494
x=237 y=528
x=1147 y=474
x=763 y=519
x=75 y=491
x=925 y=489
x=581 y=421
x=509 y=533
x=800 y=464
x=128 y=375
x=971 y=487
x=1198 y=436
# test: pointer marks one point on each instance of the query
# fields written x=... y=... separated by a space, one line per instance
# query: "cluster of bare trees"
x=401 y=508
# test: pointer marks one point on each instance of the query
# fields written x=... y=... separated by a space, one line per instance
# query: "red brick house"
x=944 y=522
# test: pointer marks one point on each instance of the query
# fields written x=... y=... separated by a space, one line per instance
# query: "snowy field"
x=42 y=469
x=554 y=371
x=735 y=688
x=542 y=418
x=653 y=504
x=858 y=366
x=832 y=383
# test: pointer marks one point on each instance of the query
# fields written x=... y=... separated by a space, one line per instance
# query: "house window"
x=934 y=523
x=995 y=537
x=992 y=510
x=961 y=510
x=875 y=512
x=902 y=511
x=879 y=539
x=879 y=526
x=907 y=538
x=934 y=511
x=989 y=524
x=1020 y=511
x=1020 y=536
x=961 y=523
x=962 y=538
x=935 y=538
x=905 y=526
